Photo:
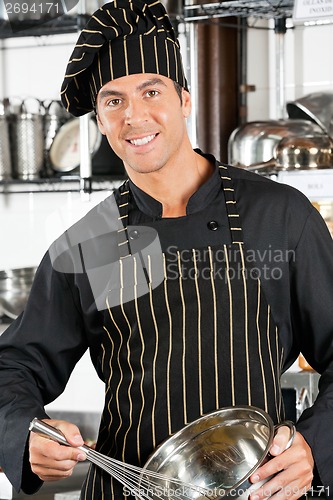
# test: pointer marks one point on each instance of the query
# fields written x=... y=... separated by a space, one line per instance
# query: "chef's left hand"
x=293 y=469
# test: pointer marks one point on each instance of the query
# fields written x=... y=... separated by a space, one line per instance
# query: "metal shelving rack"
x=60 y=25
x=83 y=180
x=191 y=11
x=68 y=184
x=196 y=12
x=264 y=9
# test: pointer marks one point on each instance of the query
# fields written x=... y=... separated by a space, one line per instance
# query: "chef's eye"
x=152 y=93
x=113 y=102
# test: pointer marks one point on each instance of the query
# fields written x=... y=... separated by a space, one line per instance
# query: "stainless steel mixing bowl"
x=218 y=452
x=15 y=285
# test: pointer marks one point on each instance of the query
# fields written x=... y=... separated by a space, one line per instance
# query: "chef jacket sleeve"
x=312 y=319
x=38 y=352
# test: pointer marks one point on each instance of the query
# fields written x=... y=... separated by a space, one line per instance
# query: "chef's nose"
x=136 y=112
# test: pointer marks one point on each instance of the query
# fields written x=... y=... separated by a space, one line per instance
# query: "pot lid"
x=317 y=107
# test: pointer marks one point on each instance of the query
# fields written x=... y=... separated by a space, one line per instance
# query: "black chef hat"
x=121 y=38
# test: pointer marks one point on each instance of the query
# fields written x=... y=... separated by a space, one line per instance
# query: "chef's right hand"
x=51 y=461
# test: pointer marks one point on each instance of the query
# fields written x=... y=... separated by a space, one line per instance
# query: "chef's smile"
x=142 y=141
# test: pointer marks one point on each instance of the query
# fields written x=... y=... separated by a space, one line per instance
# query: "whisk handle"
x=48 y=431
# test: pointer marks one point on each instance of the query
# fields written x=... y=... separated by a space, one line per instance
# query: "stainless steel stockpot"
x=255 y=142
x=308 y=152
x=299 y=153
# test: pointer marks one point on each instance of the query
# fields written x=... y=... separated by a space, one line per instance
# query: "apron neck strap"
x=232 y=211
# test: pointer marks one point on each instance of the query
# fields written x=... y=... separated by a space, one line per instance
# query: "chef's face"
x=144 y=120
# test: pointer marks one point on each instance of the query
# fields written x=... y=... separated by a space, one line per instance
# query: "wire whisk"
x=142 y=483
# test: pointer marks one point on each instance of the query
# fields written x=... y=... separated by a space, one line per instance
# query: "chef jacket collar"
x=198 y=201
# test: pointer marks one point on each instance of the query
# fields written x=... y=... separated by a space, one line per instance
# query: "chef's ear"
x=99 y=122
x=186 y=103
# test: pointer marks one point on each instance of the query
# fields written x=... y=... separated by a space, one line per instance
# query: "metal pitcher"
x=27 y=141
x=5 y=157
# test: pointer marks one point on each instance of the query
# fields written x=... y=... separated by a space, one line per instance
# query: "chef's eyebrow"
x=116 y=93
x=152 y=81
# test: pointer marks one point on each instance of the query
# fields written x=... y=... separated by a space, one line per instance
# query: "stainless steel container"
x=307 y=152
x=255 y=142
x=27 y=142
x=15 y=285
x=317 y=107
x=55 y=116
x=5 y=157
x=3 y=12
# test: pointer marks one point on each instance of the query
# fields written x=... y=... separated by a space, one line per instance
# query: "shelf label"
x=310 y=10
x=313 y=184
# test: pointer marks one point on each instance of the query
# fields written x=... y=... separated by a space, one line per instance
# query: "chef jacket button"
x=212 y=225
x=134 y=234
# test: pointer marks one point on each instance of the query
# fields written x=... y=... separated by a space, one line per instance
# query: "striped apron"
x=204 y=338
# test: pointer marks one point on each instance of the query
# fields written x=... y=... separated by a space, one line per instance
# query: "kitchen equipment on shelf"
x=317 y=106
x=27 y=139
x=5 y=156
x=3 y=12
x=212 y=457
x=308 y=152
x=54 y=117
x=65 y=148
x=254 y=142
x=15 y=285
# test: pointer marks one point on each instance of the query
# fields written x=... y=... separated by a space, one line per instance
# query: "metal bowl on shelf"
x=309 y=152
x=255 y=142
x=304 y=153
x=15 y=285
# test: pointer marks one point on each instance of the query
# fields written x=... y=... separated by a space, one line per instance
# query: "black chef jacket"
x=286 y=243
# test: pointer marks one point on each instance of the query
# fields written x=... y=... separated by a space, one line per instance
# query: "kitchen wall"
x=34 y=66
x=31 y=221
x=308 y=65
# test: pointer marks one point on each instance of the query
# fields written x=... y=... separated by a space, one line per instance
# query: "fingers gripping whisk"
x=140 y=482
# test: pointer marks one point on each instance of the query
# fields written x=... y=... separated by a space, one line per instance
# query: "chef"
x=194 y=285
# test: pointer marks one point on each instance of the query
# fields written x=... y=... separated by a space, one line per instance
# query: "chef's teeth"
x=142 y=141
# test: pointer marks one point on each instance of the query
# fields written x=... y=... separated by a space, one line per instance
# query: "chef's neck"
x=174 y=186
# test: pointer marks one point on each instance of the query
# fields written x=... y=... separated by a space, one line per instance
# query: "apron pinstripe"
x=203 y=339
